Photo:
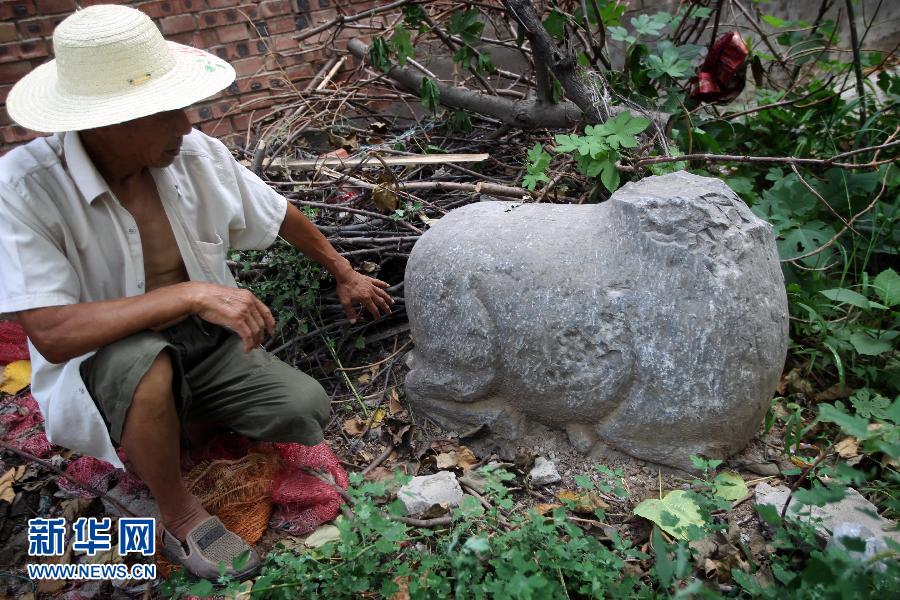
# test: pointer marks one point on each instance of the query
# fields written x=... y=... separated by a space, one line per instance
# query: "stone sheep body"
x=654 y=323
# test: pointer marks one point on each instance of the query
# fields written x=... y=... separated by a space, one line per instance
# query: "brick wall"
x=255 y=37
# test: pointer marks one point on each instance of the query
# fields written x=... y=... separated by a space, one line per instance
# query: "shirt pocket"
x=212 y=260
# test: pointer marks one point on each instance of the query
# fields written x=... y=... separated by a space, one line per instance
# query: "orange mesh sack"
x=237 y=491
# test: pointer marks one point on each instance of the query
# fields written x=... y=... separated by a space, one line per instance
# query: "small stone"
x=140 y=503
x=874 y=544
x=543 y=472
x=851 y=513
x=425 y=491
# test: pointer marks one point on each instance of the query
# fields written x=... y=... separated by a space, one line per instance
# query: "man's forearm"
x=64 y=332
x=299 y=232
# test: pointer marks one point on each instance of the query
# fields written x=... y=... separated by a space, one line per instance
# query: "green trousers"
x=214 y=382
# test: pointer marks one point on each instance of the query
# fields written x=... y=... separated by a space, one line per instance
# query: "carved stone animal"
x=654 y=324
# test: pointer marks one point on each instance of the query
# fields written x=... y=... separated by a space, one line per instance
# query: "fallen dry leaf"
x=461 y=458
x=385 y=198
x=838 y=391
x=445 y=460
x=380 y=474
x=368 y=266
x=847 y=447
x=6 y=483
x=543 y=509
x=363 y=379
x=354 y=427
x=403 y=592
x=16 y=377
x=394 y=406
x=427 y=220
x=585 y=502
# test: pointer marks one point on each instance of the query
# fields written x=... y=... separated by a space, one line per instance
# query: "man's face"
x=152 y=141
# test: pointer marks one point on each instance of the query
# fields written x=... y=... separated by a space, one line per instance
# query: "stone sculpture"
x=654 y=323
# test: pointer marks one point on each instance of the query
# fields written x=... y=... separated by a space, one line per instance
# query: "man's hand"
x=236 y=309
x=355 y=287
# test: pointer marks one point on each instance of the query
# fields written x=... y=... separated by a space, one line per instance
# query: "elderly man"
x=113 y=237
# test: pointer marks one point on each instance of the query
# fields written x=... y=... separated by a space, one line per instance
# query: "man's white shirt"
x=66 y=239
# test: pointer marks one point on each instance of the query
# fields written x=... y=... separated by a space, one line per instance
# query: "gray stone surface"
x=851 y=513
x=543 y=472
x=423 y=492
x=654 y=323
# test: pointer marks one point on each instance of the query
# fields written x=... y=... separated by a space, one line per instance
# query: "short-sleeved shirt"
x=66 y=239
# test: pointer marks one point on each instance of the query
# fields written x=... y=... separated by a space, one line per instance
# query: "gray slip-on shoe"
x=209 y=544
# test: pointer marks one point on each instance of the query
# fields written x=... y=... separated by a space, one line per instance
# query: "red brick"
x=86 y=3
x=199 y=114
x=14 y=134
x=8 y=32
x=177 y=24
x=255 y=101
x=158 y=8
x=222 y=3
x=218 y=127
x=13 y=71
x=233 y=33
x=218 y=18
x=281 y=25
x=274 y=8
x=19 y=9
x=280 y=43
x=241 y=122
x=236 y=50
x=36 y=48
x=39 y=27
x=248 y=66
x=4 y=92
x=50 y=7
x=299 y=72
x=10 y=52
x=250 y=11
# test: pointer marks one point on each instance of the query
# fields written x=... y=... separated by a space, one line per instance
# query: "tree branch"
x=564 y=66
x=527 y=114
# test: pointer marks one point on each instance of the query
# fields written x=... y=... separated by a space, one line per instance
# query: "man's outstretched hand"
x=353 y=287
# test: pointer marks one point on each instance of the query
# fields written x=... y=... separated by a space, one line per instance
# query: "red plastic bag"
x=721 y=76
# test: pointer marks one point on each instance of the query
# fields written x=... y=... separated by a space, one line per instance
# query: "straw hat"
x=112 y=65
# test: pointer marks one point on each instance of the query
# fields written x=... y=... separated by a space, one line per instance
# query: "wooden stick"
x=50 y=467
x=339 y=163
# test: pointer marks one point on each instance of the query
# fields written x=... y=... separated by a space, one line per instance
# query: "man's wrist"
x=340 y=268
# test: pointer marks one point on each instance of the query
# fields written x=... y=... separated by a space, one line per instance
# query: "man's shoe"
x=209 y=544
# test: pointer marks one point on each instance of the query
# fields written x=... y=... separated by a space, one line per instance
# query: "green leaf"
x=566 y=142
x=774 y=21
x=609 y=175
x=202 y=588
x=845 y=296
x=887 y=286
x=867 y=345
x=322 y=536
x=240 y=561
x=728 y=485
x=478 y=544
x=429 y=94
x=645 y=25
x=849 y=424
x=555 y=24
x=401 y=44
x=665 y=568
x=869 y=404
x=675 y=513
x=379 y=55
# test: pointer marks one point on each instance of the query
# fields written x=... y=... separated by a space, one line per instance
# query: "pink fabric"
x=12 y=342
x=303 y=501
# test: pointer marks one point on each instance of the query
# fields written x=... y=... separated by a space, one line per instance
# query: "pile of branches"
x=356 y=147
